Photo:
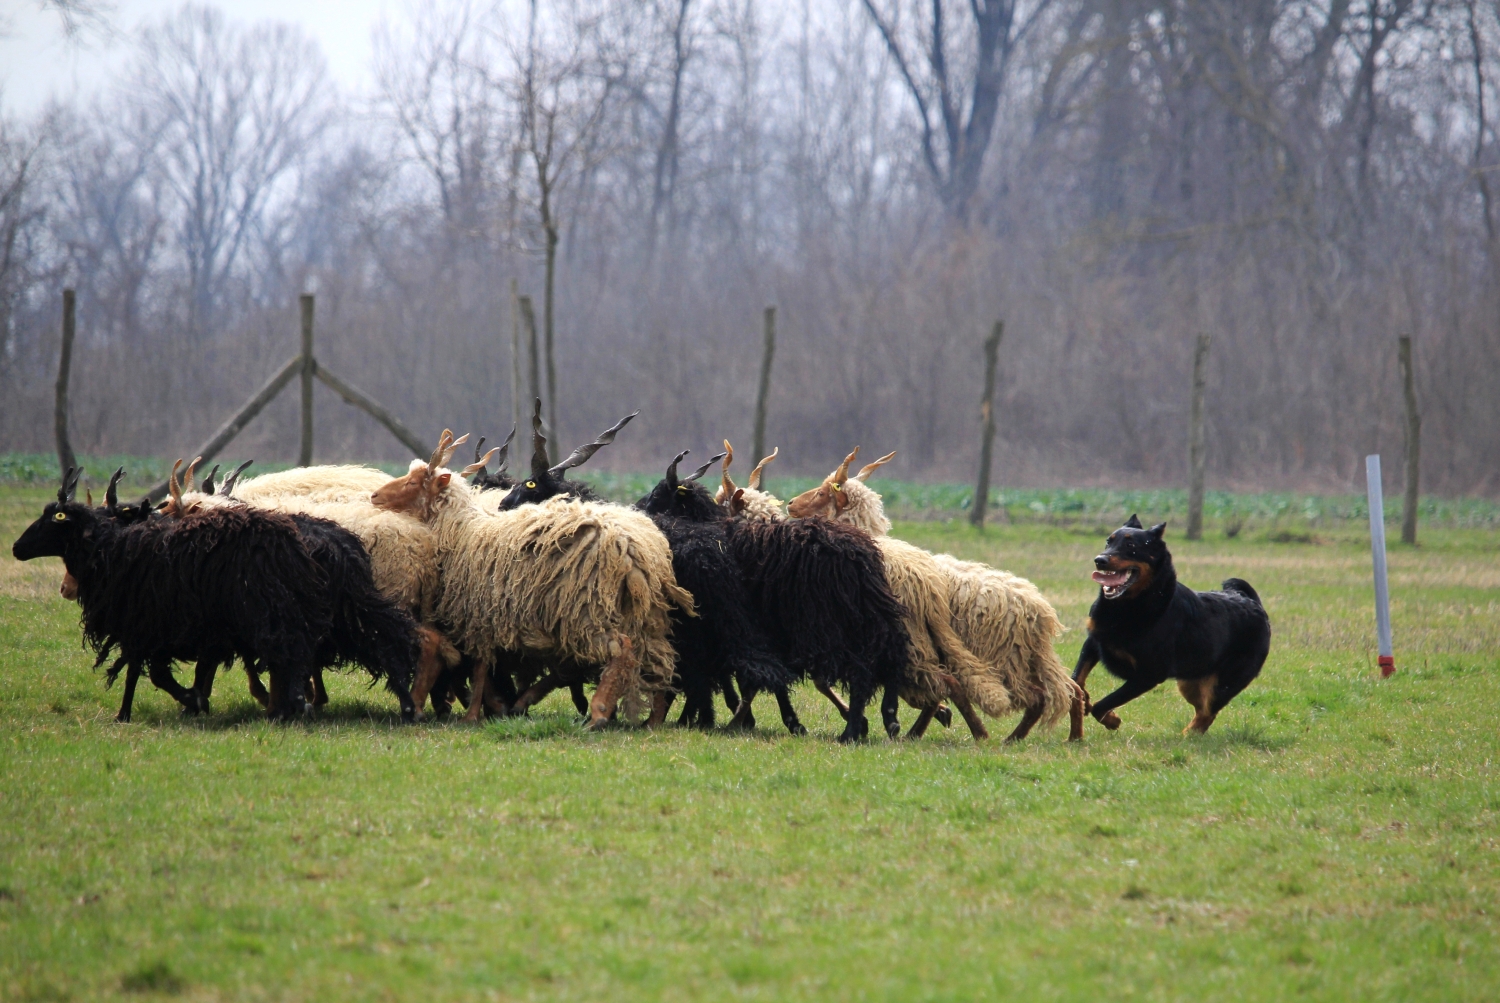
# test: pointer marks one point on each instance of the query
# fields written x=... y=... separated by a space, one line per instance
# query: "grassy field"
x=1334 y=837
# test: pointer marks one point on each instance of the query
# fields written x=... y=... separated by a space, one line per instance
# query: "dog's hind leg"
x=1199 y=693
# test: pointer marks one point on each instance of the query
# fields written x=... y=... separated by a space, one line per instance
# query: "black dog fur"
x=1147 y=627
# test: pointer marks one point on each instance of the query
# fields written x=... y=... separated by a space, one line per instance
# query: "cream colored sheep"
x=1002 y=619
x=579 y=582
x=750 y=502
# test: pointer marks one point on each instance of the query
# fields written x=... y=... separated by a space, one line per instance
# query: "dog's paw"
x=1110 y=720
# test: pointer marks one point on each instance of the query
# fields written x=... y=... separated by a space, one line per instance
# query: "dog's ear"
x=1156 y=531
x=1133 y=522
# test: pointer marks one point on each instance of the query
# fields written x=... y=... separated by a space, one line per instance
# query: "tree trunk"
x=65 y=457
x=1413 y=443
x=1195 y=441
x=515 y=356
x=528 y=318
x=987 y=417
x=758 y=444
x=547 y=327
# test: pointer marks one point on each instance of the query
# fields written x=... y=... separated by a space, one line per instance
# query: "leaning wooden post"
x=1195 y=441
x=65 y=457
x=987 y=418
x=1413 y=443
x=1377 y=553
x=309 y=367
x=768 y=352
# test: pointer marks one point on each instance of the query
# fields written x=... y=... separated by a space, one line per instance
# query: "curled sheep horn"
x=761 y=466
x=539 y=462
x=479 y=463
x=69 y=484
x=704 y=469
x=727 y=486
x=453 y=448
x=187 y=477
x=870 y=468
x=478 y=446
x=229 y=482
x=581 y=455
x=111 y=498
x=504 y=451
x=437 y=454
x=842 y=473
x=672 y=481
x=173 y=488
x=208 y=482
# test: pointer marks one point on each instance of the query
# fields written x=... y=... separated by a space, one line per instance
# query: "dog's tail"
x=1242 y=587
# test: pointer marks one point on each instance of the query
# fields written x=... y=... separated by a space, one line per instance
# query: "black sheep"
x=499 y=480
x=549 y=482
x=229 y=582
x=820 y=592
x=725 y=641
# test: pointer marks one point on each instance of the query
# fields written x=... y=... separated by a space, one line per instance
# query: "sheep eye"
x=531 y=484
x=61 y=517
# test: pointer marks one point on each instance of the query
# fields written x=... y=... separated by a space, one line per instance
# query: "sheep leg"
x=612 y=682
x=535 y=693
x=127 y=699
x=743 y=718
x=890 y=706
x=580 y=699
x=160 y=674
x=203 y=682
x=788 y=712
x=429 y=666
x=661 y=702
x=858 y=728
x=257 y=688
x=919 y=728
x=943 y=714
x=476 y=689
x=1028 y=721
x=961 y=701
x=834 y=698
x=731 y=698
x=315 y=688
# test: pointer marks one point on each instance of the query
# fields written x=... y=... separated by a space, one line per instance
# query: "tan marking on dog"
x=1199 y=693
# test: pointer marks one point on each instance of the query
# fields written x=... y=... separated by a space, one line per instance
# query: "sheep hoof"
x=798 y=729
x=857 y=731
x=943 y=715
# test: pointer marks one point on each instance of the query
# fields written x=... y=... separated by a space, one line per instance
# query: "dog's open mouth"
x=1114 y=583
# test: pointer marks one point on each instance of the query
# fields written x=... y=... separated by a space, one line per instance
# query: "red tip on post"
x=1387 y=666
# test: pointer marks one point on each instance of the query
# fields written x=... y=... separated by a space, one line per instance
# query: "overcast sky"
x=38 y=62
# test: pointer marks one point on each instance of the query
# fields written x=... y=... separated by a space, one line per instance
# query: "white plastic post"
x=1377 y=552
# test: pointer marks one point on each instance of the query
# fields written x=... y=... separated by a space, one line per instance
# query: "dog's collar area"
x=1114 y=583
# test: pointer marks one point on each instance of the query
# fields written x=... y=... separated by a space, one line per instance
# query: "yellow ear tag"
x=682 y=489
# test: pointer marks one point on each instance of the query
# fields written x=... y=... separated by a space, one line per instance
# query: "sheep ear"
x=1133 y=522
x=442 y=479
x=840 y=499
x=761 y=466
x=88 y=497
x=1157 y=530
x=870 y=468
x=703 y=469
x=581 y=455
x=672 y=481
x=737 y=501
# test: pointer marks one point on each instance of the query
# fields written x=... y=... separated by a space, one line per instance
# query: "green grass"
x=1333 y=837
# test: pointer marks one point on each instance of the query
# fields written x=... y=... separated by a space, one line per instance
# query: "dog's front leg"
x=1104 y=710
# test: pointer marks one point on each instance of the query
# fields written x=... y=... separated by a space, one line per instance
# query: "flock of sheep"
x=494 y=590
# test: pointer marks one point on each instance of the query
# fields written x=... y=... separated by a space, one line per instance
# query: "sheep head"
x=683 y=498
x=416 y=490
x=827 y=499
x=550 y=481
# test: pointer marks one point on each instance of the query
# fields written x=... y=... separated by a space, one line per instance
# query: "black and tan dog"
x=1146 y=627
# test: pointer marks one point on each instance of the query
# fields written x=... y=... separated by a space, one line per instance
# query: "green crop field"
x=1333 y=837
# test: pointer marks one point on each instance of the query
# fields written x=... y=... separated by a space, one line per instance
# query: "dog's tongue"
x=1111 y=578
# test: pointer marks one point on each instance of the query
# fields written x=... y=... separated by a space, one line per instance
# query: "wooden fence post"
x=1413 y=443
x=1195 y=441
x=987 y=417
x=309 y=367
x=768 y=352
x=65 y=457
